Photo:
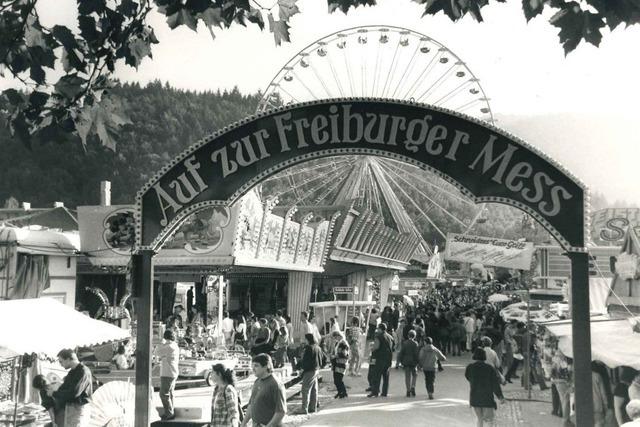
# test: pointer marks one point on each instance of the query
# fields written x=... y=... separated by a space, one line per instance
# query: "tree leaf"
x=280 y=30
x=212 y=17
x=287 y=8
x=433 y=7
x=182 y=17
x=242 y=4
x=575 y=25
x=138 y=49
x=37 y=74
x=103 y=119
x=19 y=62
x=88 y=29
x=87 y=7
x=70 y=85
x=38 y=99
x=42 y=56
x=345 y=5
x=33 y=35
x=13 y=96
x=593 y=24
x=128 y=7
x=532 y=8
x=64 y=35
x=255 y=16
x=71 y=61
x=197 y=6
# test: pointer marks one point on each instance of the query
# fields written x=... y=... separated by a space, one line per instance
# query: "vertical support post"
x=581 y=332
x=221 y=339
x=142 y=273
x=299 y=286
x=527 y=347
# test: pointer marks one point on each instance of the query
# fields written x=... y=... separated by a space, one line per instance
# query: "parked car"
x=201 y=367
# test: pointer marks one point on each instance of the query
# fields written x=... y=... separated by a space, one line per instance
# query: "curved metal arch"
x=290 y=159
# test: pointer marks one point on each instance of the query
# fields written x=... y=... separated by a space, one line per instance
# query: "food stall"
x=34 y=331
x=613 y=341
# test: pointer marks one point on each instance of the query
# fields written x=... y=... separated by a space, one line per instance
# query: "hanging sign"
x=627 y=267
x=482 y=161
x=489 y=251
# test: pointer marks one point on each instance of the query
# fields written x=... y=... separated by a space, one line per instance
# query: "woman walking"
x=339 y=361
x=484 y=384
x=354 y=334
x=225 y=403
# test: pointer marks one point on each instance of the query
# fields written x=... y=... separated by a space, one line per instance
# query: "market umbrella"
x=47 y=326
x=407 y=300
x=498 y=298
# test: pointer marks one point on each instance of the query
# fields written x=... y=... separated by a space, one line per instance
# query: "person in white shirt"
x=307 y=328
x=314 y=328
x=492 y=357
x=227 y=328
x=120 y=360
x=633 y=410
x=470 y=328
x=169 y=354
x=281 y=320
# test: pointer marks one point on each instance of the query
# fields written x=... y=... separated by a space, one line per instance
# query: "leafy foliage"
x=164 y=122
x=109 y=32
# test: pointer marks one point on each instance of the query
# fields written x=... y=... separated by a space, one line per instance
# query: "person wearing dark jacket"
x=339 y=360
x=484 y=384
x=408 y=356
x=382 y=354
x=312 y=360
x=75 y=392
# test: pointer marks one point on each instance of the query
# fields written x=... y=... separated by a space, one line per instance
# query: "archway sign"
x=484 y=162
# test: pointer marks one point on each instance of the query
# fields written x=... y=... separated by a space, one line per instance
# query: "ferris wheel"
x=379 y=62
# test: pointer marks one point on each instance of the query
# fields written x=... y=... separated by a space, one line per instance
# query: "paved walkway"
x=449 y=409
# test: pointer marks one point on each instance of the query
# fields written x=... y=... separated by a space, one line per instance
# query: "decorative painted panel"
x=288 y=250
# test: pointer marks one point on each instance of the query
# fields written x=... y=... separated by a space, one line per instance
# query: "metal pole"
x=581 y=332
x=219 y=338
x=527 y=354
x=142 y=275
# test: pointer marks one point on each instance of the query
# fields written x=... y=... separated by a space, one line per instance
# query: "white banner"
x=489 y=251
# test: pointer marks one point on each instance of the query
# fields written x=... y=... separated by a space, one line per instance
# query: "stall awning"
x=38 y=241
x=612 y=341
x=46 y=326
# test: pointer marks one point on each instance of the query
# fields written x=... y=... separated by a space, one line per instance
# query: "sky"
x=580 y=109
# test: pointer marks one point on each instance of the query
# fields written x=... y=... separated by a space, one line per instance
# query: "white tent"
x=613 y=342
x=46 y=326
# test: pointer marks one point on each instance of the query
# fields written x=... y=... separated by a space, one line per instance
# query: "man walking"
x=268 y=403
x=469 y=322
x=169 y=354
x=484 y=384
x=312 y=361
x=382 y=353
x=429 y=358
x=76 y=390
x=409 y=356
x=227 y=329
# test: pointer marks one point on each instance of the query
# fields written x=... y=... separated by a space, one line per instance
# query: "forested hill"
x=164 y=122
